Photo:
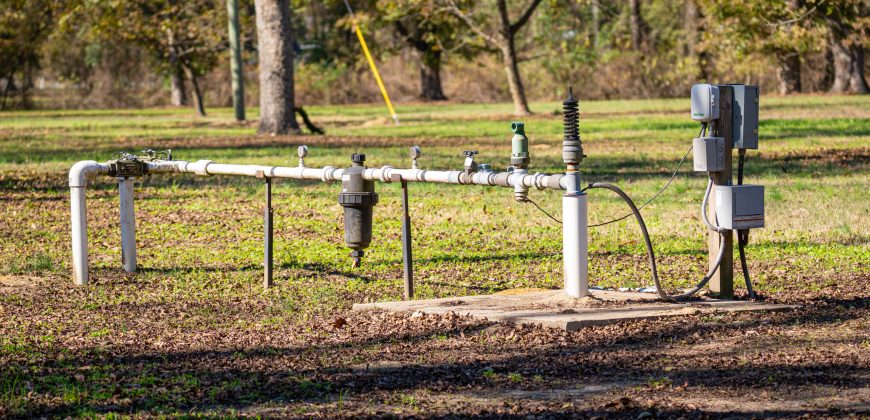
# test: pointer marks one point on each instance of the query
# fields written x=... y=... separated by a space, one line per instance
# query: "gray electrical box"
x=705 y=102
x=744 y=116
x=740 y=206
x=709 y=154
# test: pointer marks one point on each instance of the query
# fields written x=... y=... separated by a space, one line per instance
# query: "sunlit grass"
x=202 y=237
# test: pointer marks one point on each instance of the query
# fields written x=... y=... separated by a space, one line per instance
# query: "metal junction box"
x=740 y=206
x=709 y=154
x=744 y=117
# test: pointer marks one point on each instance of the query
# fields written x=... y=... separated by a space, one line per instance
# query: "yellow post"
x=371 y=61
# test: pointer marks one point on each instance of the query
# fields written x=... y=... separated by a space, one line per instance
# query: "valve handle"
x=470 y=153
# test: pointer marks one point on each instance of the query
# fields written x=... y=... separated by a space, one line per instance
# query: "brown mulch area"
x=814 y=361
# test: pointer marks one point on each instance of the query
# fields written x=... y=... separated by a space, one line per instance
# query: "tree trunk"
x=789 y=72
x=430 y=76
x=510 y=62
x=690 y=27
x=635 y=24
x=848 y=67
x=515 y=83
x=197 y=93
x=596 y=23
x=176 y=84
x=178 y=95
x=275 y=48
x=858 y=84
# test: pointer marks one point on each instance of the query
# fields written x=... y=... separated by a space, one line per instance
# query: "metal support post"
x=406 y=244
x=128 y=225
x=407 y=260
x=267 y=223
x=722 y=282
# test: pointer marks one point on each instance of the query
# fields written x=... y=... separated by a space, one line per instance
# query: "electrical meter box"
x=705 y=102
x=709 y=154
x=744 y=117
x=740 y=206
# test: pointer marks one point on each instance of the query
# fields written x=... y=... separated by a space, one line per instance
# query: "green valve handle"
x=519 y=145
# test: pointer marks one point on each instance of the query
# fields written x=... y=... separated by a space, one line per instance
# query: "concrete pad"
x=554 y=309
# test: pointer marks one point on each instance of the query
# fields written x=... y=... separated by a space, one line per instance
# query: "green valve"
x=520 y=145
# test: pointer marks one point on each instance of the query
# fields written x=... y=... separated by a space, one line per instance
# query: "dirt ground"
x=813 y=362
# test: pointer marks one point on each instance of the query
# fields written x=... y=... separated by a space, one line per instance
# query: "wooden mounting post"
x=722 y=283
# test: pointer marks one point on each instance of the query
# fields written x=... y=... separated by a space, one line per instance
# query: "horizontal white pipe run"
x=574 y=208
x=383 y=174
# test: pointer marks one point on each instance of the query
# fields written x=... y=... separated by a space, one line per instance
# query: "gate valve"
x=470 y=164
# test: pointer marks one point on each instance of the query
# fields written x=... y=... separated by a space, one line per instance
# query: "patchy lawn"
x=194 y=333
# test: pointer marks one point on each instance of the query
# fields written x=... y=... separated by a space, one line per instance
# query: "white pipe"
x=519 y=180
x=575 y=246
x=78 y=179
x=128 y=225
x=575 y=240
x=82 y=170
x=79 y=222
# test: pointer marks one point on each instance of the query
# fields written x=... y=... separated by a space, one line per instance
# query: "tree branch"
x=516 y=26
x=489 y=39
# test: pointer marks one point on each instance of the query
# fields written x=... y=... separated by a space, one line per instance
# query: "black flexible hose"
x=643 y=230
x=741 y=245
x=651 y=253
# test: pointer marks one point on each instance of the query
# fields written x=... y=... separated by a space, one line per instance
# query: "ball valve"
x=358 y=197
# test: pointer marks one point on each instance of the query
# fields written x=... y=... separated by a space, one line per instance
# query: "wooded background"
x=137 y=53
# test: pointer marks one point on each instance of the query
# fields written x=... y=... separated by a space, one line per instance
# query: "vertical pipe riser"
x=79 y=225
x=575 y=244
x=128 y=225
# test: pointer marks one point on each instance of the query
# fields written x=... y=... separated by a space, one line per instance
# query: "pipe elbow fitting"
x=79 y=173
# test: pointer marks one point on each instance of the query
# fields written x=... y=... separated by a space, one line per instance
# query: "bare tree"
x=504 y=41
x=275 y=48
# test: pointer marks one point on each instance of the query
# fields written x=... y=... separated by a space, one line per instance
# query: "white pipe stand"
x=575 y=245
x=79 y=212
x=575 y=239
x=128 y=225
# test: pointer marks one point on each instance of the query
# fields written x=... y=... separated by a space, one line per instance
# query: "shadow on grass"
x=238 y=378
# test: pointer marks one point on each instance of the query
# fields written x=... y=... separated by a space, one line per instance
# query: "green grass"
x=200 y=239
x=203 y=235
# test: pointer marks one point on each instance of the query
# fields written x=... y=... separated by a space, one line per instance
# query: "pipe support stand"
x=128 y=224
